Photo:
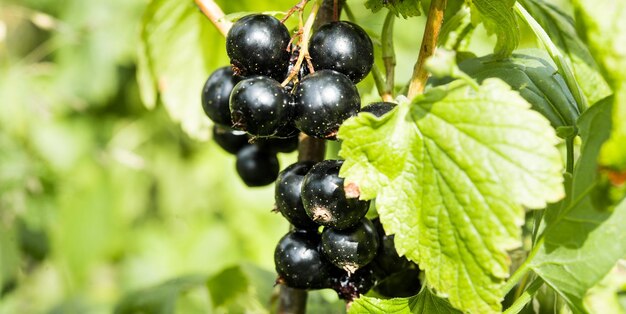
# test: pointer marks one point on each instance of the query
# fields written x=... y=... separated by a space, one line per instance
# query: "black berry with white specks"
x=230 y=140
x=257 y=167
x=298 y=262
x=352 y=248
x=379 y=108
x=260 y=106
x=288 y=195
x=257 y=45
x=323 y=100
x=324 y=197
x=387 y=260
x=344 y=47
x=216 y=94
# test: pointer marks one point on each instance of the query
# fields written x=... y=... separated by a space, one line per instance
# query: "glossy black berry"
x=352 y=248
x=259 y=106
x=287 y=195
x=256 y=167
x=279 y=145
x=257 y=45
x=402 y=284
x=299 y=263
x=230 y=140
x=323 y=100
x=351 y=286
x=379 y=108
x=324 y=197
x=387 y=260
x=216 y=94
x=344 y=47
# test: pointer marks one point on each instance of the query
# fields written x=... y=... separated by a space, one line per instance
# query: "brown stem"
x=215 y=14
x=429 y=43
x=298 y=7
x=313 y=149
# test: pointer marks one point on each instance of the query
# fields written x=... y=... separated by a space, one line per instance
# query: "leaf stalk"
x=526 y=297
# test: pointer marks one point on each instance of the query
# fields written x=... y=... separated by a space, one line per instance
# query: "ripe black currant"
x=387 y=261
x=287 y=195
x=352 y=248
x=259 y=106
x=325 y=200
x=279 y=145
x=256 y=167
x=351 y=286
x=402 y=284
x=216 y=94
x=257 y=45
x=379 y=108
x=230 y=140
x=323 y=100
x=298 y=262
x=344 y=47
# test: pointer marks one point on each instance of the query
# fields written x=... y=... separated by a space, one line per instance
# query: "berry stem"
x=381 y=84
x=434 y=22
x=304 y=43
x=298 y=7
x=215 y=14
x=294 y=300
x=389 y=55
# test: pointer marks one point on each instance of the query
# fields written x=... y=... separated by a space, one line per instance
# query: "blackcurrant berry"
x=287 y=195
x=257 y=45
x=387 y=261
x=344 y=47
x=325 y=200
x=257 y=167
x=351 y=286
x=230 y=140
x=216 y=94
x=259 y=106
x=299 y=263
x=279 y=145
x=352 y=248
x=379 y=108
x=402 y=284
x=323 y=100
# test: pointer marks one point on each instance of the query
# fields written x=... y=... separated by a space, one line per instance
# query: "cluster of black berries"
x=351 y=253
x=248 y=103
x=256 y=116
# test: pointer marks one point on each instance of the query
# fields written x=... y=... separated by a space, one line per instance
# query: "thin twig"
x=215 y=14
x=304 y=44
x=429 y=43
x=298 y=7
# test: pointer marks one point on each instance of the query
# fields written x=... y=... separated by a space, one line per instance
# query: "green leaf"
x=242 y=288
x=604 y=297
x=179 y=49
x=532 y=73
x=605 y=26
x=449 y=173
x=580 y=245
x=560 y=27
x=406 y=8
x=424 y=302
x=159 y=299
x=499 y=18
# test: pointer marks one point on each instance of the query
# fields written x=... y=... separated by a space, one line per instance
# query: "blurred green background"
x=101 y=197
